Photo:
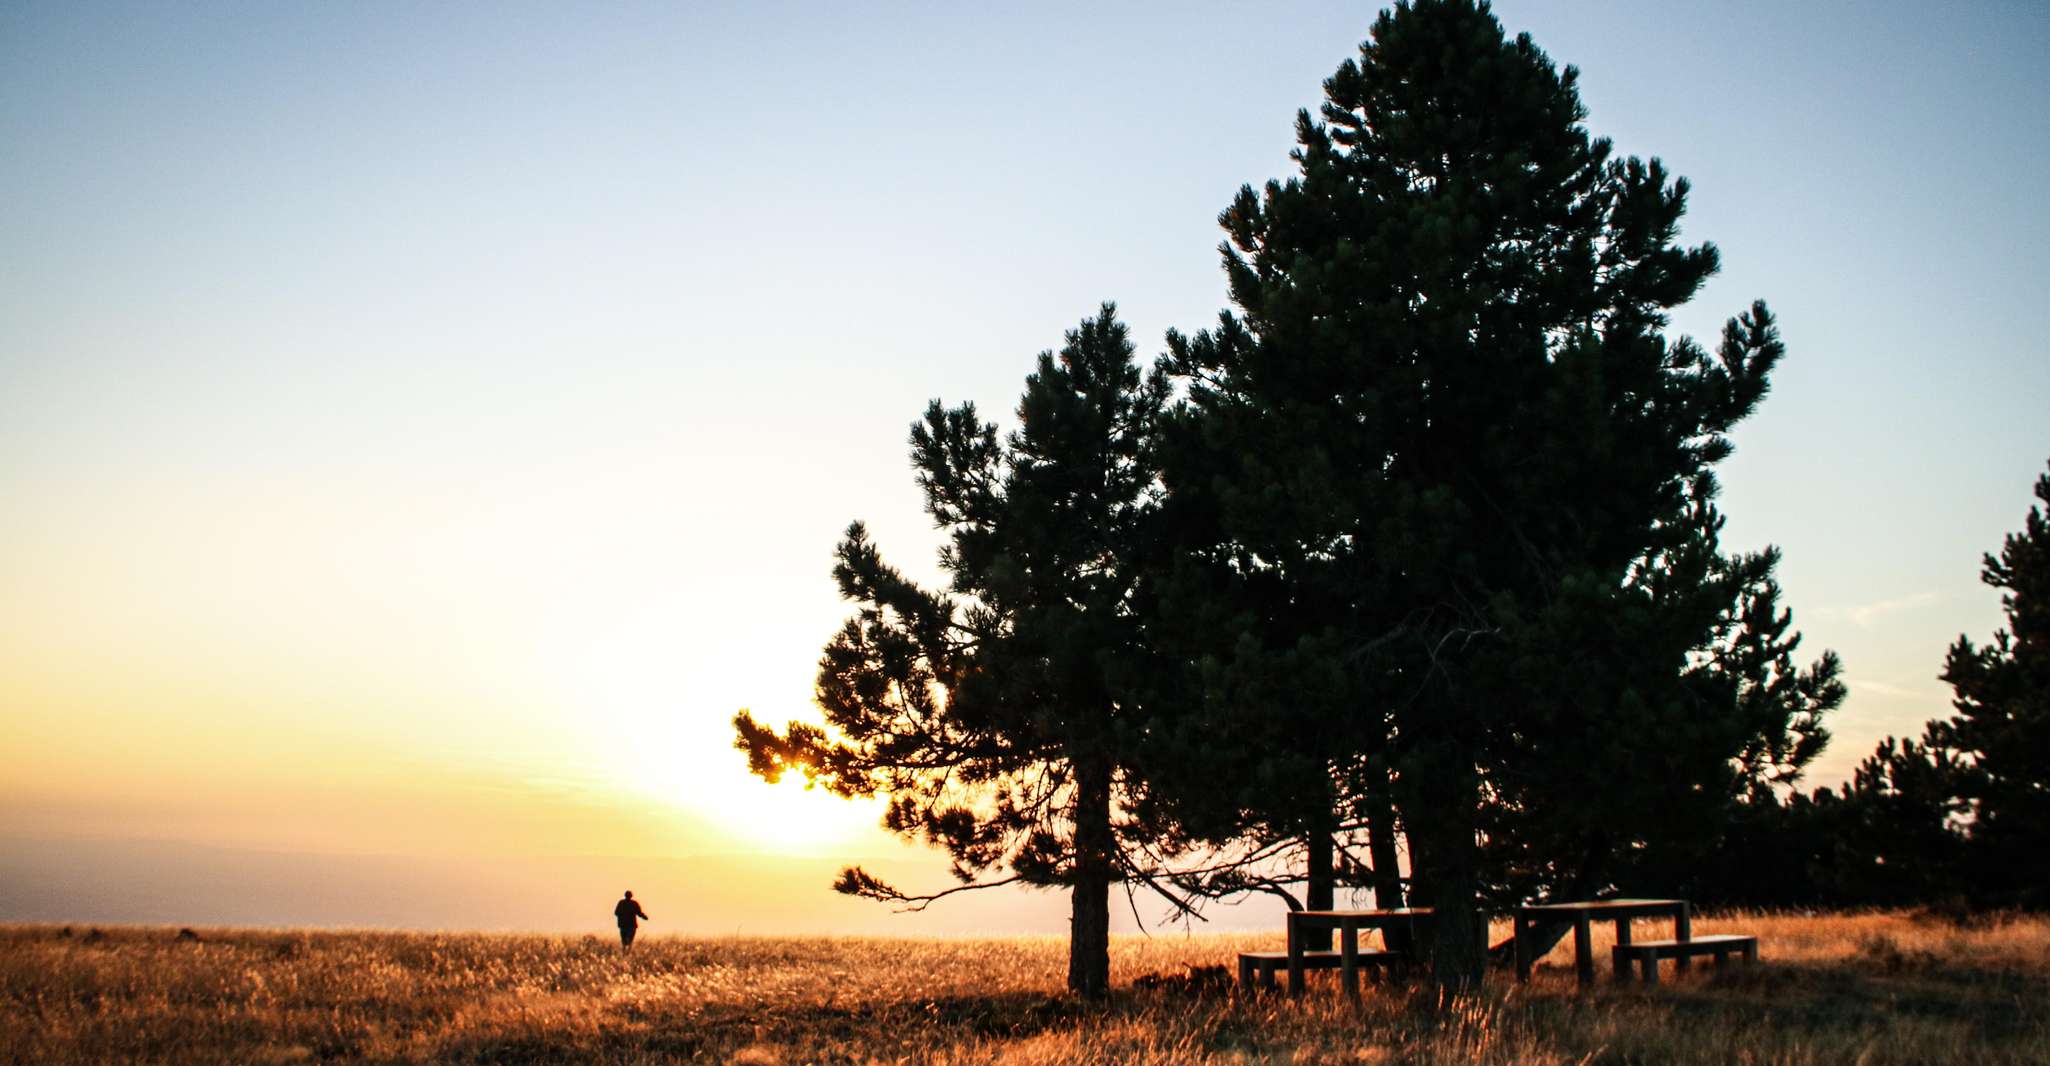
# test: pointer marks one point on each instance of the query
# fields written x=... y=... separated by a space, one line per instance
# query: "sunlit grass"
x=1867 y=989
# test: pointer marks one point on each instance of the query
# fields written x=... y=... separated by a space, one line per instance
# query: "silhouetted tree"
x=1687 y=721
x=1241 y=756
x=1446 y=418
x=1965 y=811
x=2002 y=728
x=997 y=714
x=1897 y=832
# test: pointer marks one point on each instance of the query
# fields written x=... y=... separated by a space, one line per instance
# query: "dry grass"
x=1865 y=989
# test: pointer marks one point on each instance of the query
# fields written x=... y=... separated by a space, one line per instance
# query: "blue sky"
x=479 y=390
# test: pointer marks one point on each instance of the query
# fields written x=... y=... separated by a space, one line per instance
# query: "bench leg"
x=1651 y=969
x=1583 y=951
x=1246 y=974
x=1516 y=934
x=1349 y=959
x=1622 y=941
x=1751 y=953
x=1683 y=929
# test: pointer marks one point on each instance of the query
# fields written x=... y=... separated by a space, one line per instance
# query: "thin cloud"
x=1899 y=692
x=1864 y=615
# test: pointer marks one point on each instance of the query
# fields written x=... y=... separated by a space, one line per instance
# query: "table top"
x=1602 y=906
x=1391 y=912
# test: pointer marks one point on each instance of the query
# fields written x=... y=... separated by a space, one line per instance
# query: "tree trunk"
x=1460 y=944
x=1540 y=939
x=1387 y=872
x=1420 y=865
x=1440 y=803
x=1089 y=926
x=1459 y=955
x=1319 y=894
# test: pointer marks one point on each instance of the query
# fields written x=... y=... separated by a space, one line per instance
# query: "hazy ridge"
x=152 y=882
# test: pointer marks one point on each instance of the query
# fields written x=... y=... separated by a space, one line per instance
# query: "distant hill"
x=170 y=883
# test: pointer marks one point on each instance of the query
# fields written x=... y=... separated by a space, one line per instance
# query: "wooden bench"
x=1267 y=964
x=1647 y=953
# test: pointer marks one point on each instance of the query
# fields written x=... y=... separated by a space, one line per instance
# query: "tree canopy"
x=996 y=713
x=1445 y=416
x=2002 y=725
x=1417 y=545
x=1962 y=815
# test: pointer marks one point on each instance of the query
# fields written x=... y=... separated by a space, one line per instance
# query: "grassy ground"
x=1865 y=989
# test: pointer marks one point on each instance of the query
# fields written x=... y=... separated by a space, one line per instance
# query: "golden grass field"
x=1864 y=989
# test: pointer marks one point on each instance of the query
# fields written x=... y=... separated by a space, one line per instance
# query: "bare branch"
x=854 y=881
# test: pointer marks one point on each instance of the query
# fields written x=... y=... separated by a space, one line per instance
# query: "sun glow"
x=789 y=818
x=749 y=815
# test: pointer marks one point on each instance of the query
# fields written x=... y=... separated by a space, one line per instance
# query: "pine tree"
x=1446 y=415
x=1695 y=651
x=1898 y=830
x=1240 y=755
x=2002 y=728
x=997 y=714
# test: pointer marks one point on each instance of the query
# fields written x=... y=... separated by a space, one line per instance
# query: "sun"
x=787 y=818
x=679 y=753
x=746 y=814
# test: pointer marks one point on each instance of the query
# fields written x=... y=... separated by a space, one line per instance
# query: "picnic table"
x=1583 y=914
x=1349 y=925
x=1350 y=957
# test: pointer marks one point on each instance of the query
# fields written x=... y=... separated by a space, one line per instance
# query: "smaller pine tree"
x=997 y=713
x=1896 y=836
x=2002 y=728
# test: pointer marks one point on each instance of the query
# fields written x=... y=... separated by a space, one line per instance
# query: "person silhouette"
x=630 y=915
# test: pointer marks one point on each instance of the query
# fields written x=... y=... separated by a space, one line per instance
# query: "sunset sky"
x=422 y=427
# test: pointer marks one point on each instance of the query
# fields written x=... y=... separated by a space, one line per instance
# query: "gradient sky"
x=423 y=426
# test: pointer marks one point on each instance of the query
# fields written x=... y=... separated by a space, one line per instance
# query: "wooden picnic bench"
x=1647 y=953
x=1682 y=948
x=1348 y=960
x=1582 y=914
x=1262 y=967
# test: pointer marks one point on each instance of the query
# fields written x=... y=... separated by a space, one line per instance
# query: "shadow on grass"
x=1853 y=1009
x=1857 y=996
x=818 y=1032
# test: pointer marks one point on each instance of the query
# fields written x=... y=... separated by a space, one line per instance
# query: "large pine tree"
x=1446 y=414
x=997 y=715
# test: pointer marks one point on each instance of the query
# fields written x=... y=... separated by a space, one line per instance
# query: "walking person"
x=630 y=915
